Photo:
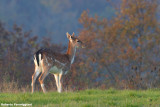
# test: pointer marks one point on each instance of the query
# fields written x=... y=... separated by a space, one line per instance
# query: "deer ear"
x=68 y=35
x=73 y=34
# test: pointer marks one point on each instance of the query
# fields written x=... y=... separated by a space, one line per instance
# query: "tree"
x=124 y=48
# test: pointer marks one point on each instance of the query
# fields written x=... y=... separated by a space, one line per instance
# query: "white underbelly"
x=55 y=70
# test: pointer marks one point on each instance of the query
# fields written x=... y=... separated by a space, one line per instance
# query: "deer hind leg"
x=35 y=75
x=58 y=82
x=42 y=77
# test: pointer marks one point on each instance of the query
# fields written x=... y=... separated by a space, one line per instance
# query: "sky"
x=51 y=18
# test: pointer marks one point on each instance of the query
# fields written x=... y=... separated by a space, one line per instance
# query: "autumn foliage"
x=123 y=52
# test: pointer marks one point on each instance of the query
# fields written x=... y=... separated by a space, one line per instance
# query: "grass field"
x=86 y=98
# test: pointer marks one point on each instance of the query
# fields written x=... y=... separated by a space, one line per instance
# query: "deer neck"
x=71 y=51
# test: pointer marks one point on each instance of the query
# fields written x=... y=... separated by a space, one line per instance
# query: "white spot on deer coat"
x=60 y=62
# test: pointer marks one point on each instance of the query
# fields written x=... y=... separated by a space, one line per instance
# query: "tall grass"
x=13 y=87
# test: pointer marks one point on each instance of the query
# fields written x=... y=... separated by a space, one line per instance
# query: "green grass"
x=86 y=98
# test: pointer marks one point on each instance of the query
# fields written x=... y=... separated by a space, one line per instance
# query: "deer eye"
x=78 y=41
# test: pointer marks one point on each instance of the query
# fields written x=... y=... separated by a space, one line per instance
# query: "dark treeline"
x=123 y=52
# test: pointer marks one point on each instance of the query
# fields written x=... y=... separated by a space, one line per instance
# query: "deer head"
x=75 y=42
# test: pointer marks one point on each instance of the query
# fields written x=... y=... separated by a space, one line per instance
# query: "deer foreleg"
x=60 y=85
x=58 y=82
x=56 y=78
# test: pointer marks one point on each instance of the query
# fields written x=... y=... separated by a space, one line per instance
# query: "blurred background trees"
x=122 y=52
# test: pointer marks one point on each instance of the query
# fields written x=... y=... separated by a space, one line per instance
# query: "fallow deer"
x=47 y=61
